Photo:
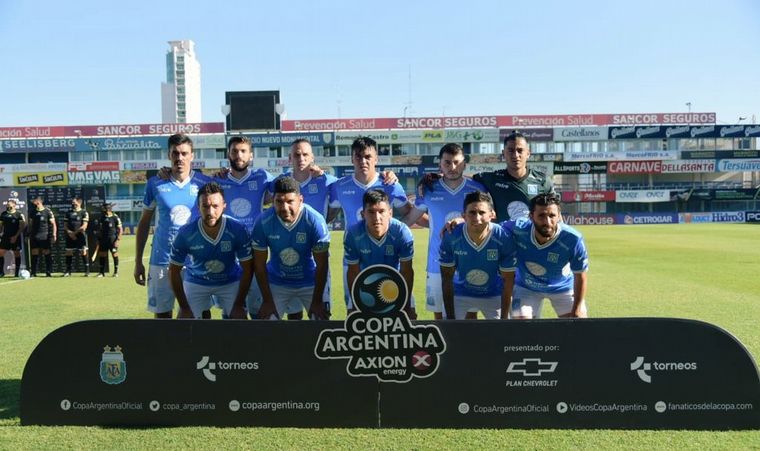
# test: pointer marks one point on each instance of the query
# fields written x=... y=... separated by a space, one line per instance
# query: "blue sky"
x=86 y=62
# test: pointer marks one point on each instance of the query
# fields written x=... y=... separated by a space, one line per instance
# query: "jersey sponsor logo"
x=214 y=266
x=378 y=339
x=113 y=368
x=517 y=209
x=535 y=268
x=289 y=257
x=240 y=207
x=477 y=277
x=179 y=215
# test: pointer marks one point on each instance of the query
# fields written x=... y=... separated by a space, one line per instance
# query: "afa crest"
x=113 y=368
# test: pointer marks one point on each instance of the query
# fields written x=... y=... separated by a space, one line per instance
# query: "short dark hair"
x=300 y=141
x=475 y=197
x=240 y=139
x=374 y=197
x=363 y=143
x=179 y=139
x=286 y=184
x=544 y=200
x=514 y=136
x=210 y=188
x=451 y=148
x=77 y=198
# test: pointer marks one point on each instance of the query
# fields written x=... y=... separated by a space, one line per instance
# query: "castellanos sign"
x=378 y=339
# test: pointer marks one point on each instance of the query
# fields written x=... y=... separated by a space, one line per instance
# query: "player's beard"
x=239 y=165
x=547 y=231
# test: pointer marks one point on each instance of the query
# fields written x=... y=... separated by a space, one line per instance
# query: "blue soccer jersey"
x=210 y=261
x=443 y=204
x=176 y=205
x=347 y=193
x=395 y=246
x=245 y=196
x=548 y=267
x=478 y=267
x=315 y=191
x=291 y=261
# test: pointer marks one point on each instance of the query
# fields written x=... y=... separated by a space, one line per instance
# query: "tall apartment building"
x=181 y=93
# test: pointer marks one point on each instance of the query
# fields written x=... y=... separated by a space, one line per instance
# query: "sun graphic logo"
x=379 y=290
x=378 y=339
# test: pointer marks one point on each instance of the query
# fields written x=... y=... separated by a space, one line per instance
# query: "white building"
x=181 y=93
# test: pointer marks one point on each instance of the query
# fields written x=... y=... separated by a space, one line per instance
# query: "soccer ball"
x=24 y=274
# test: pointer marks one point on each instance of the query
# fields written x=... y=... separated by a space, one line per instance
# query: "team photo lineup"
x=257 y=246
x=497 y=242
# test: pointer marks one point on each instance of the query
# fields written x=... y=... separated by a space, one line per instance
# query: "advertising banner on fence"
x=580 y=134
x=719 y=154
x=637 y=155
x=40 y=178
x=589 y=219
x=519 y=121
x=728 y=216
x=532 y=134
x=110 y=130
x=634 y=167
x=646 y=218
x=393 y=137
x=38 y=145
x=752 y=216
x=687 y=166
x=94 y=177
x=694 y=218
x=737 y=165
x=580 y=167
x=286 y=139
x=588 y=196
x=651 y=195
x=137 y=143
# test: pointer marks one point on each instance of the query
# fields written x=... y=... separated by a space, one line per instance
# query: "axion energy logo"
x=379 y=339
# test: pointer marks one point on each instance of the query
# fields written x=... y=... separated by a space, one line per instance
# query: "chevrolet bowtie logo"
x=531 y=367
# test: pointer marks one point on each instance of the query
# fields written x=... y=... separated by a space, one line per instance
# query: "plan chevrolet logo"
x=531 y=367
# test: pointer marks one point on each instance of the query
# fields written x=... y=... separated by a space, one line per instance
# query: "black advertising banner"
x=581 y=167
x=174 y=373
x=594 y=373
x=718 y=154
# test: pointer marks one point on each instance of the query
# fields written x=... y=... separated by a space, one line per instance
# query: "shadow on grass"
x=10 y=393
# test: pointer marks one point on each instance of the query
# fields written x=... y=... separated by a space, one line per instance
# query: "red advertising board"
x=634 y=167
x=552 y=120
x=94 y=166
x=588 y=196
x=110 y=130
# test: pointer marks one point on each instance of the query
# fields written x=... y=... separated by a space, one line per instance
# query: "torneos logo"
x=209 y=367
x=643 y=368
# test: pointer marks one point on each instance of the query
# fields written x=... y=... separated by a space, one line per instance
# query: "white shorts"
x=291 y=300
x=347 y=292
x=160 y=293
x=561 y=302
x=294 y=307
x=199 y=296
x=433 y=293
x=490 y=307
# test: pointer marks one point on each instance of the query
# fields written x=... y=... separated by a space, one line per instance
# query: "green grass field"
x=709 y=272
